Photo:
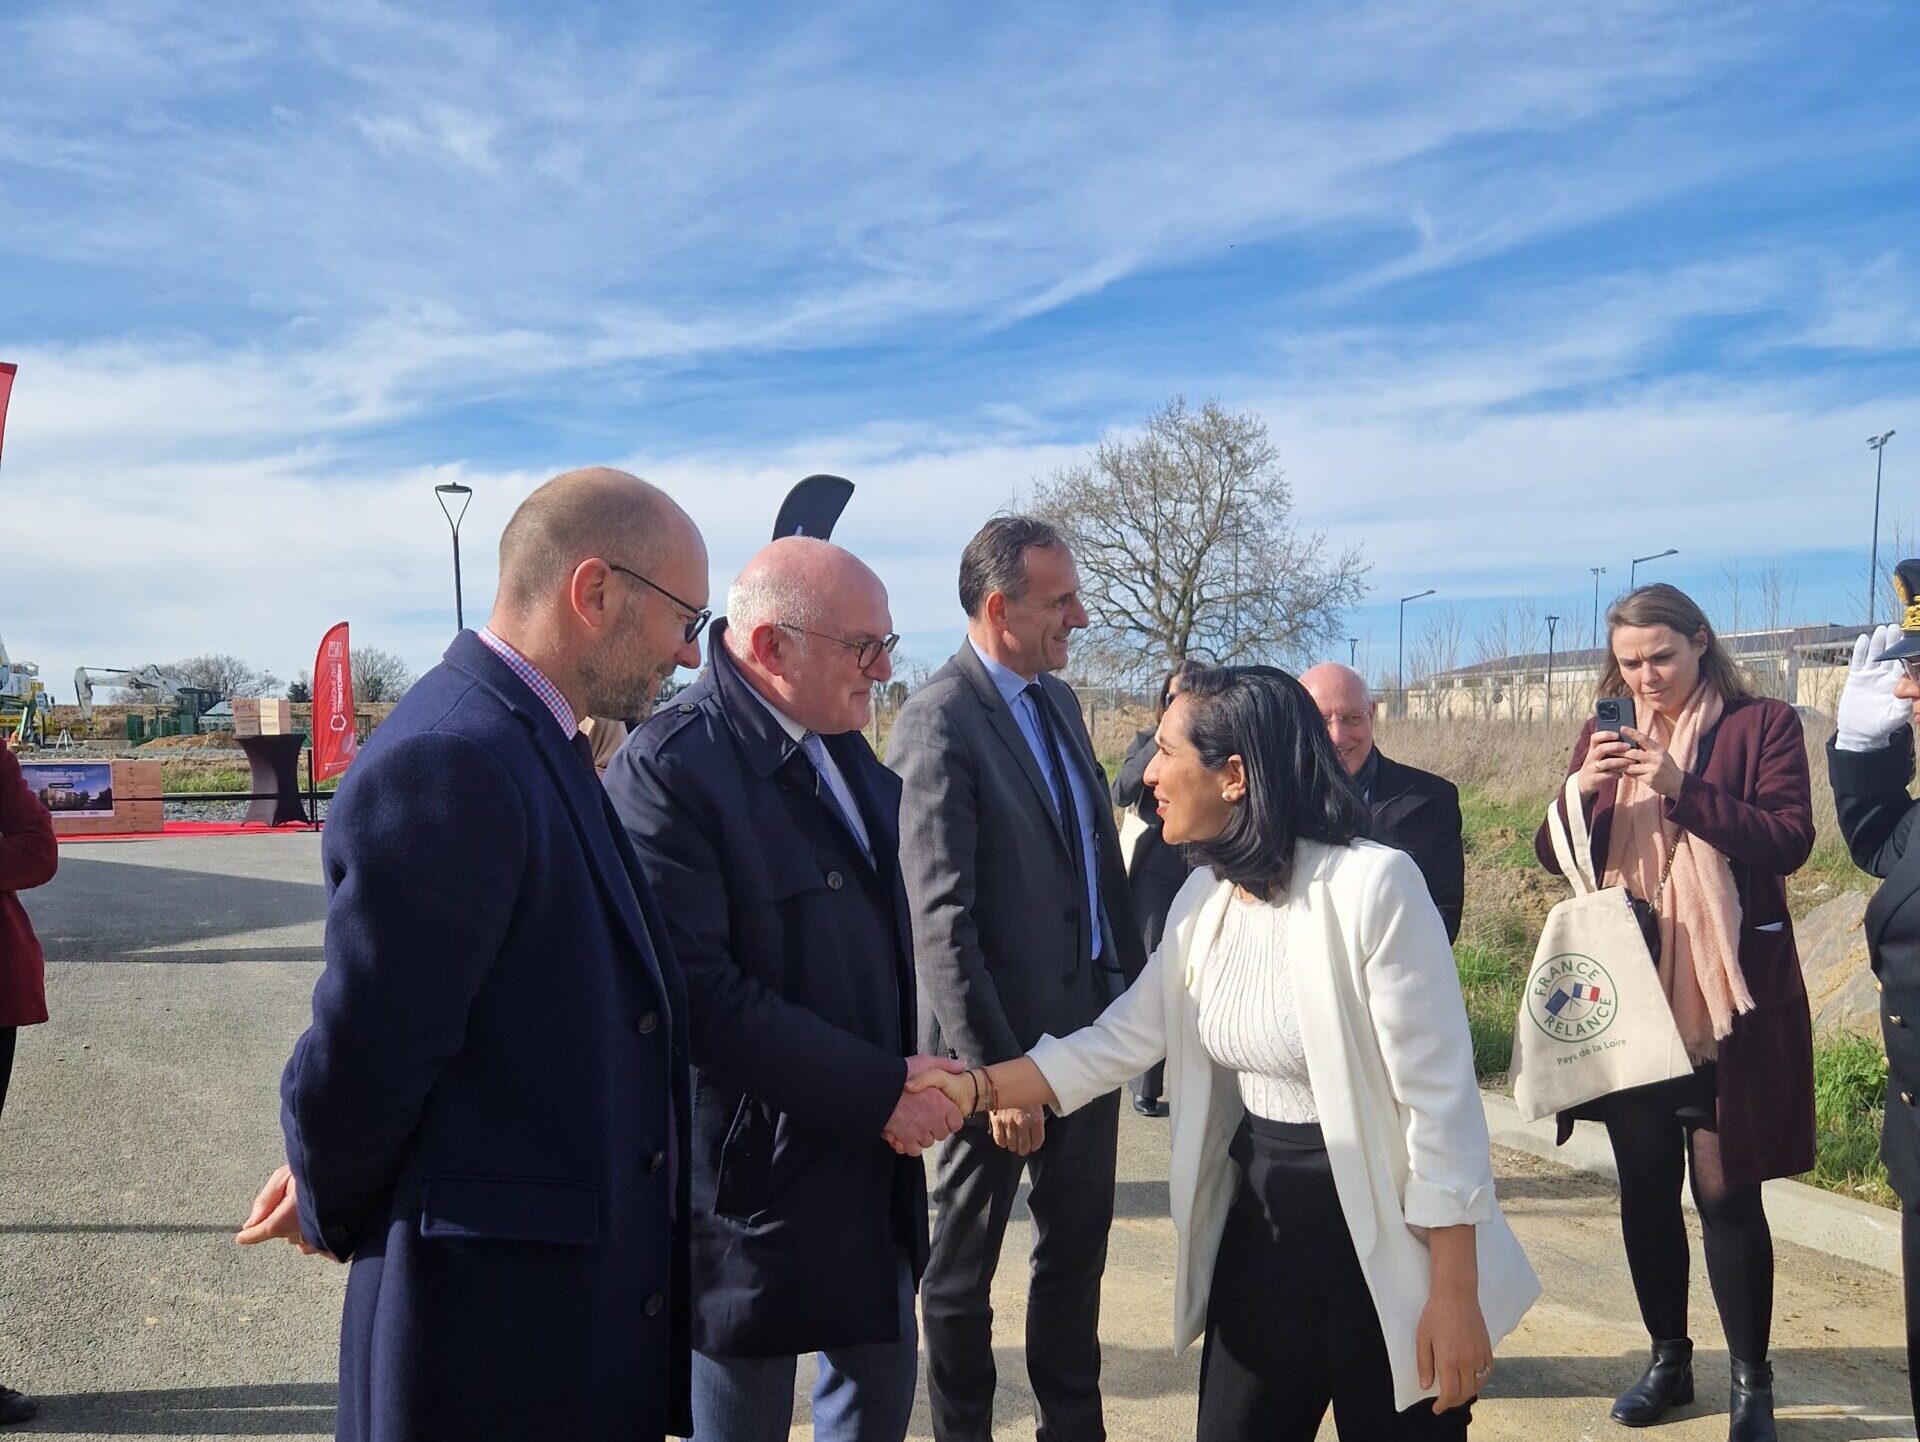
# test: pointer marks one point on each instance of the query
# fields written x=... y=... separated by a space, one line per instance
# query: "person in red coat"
x=1703 y=807
x=28 y=857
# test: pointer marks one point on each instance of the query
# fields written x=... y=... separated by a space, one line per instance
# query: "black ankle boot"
x=1667 y=1383
x=1750 y=1409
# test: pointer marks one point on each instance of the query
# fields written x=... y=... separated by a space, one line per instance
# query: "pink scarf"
x=1699 y=907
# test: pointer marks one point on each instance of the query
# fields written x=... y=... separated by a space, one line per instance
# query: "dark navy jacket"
x=798 y=963
x=479 y=1115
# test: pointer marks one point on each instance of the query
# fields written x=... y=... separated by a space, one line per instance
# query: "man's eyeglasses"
x=1911 y=665
x=868 y=651
x=696 y=617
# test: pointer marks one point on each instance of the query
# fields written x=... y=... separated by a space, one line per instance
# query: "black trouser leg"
x=8 y=1036
x=1291 y=1326
x=1072 y=1204
x=1910 y=1277
x=1649 y=1148
x=1739 y=1247
x=974 y=1183
x=1151 y=1084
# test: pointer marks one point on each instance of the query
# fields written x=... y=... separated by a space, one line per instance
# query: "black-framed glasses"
x=868 y=651
x=697 y=617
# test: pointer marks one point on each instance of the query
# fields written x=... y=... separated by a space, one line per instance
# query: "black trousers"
x=1072 y=1205
x=1291 y=1327
x=1660 y=1133
x=8 y=1035
x=1151 y=1084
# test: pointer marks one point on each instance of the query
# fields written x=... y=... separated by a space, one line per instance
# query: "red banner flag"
x=8 y=370
x=334 y=740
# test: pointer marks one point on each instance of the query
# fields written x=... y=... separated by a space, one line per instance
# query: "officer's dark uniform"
x=1879 y=820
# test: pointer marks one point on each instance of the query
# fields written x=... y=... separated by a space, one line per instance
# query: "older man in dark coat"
x=489 y=1113
x=1413 y=810
x=772 y=833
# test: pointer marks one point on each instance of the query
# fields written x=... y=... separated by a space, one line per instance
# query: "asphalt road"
x=144 y=1116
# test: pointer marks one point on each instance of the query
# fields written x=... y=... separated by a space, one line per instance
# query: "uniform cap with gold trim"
x=1906 y=586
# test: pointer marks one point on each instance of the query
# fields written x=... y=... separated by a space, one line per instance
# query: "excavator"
x=150 y=686
x=23 y=707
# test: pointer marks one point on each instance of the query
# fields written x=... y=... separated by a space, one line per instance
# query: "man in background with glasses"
x=771 y=834
x=1413 y=810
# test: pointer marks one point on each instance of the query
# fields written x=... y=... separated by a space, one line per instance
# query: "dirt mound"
x=212 y=741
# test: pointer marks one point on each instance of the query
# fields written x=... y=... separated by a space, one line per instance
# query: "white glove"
x=1869 y=712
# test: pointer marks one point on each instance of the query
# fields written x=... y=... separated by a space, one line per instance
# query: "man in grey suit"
x=1021 y=926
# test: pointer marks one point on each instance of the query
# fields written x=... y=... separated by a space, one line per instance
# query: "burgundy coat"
x=1750 y=799
x=28 y=857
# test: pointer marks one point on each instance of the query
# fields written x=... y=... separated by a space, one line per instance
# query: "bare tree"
x=1438 y=651
x=379 y=675
x=1187 y=546
x=1733 y=593
x=226 y=676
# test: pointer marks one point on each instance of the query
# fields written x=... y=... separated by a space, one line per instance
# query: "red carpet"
x=197 y=828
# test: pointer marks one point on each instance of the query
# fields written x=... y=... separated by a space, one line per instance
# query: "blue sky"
x=1519 y=289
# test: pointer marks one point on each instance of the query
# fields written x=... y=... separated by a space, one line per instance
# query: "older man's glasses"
x=1911 y=665
x=868 y=651
x=697 y=617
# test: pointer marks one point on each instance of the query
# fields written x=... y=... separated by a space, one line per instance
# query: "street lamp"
x=1593 y=636
x=1400 y=652
x=1353 y=652
x=1633 y=570
x=1552 y=621
x=446 y=495
x=1878 y=445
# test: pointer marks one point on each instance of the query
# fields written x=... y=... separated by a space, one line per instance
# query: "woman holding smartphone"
x=1701 y=804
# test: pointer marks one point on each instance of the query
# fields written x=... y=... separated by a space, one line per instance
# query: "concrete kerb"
x=1806 y=1216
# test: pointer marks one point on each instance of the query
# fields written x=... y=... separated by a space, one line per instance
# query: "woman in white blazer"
x=1331 y=1186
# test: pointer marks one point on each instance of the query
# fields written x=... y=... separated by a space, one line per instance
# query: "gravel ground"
x=144 y=1116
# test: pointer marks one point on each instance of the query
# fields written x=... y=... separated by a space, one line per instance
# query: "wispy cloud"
x=270 y=273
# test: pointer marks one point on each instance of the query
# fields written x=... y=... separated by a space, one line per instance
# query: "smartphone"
x=1610 y=713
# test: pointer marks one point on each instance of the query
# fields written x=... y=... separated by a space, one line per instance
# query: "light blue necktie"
x=816 y=750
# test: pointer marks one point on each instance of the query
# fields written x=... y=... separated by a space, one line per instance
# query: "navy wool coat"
x=482 y=1115
x=799 y=970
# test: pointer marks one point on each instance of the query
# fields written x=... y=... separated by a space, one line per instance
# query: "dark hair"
x=1669 y=606
x=996 y=559
x=1297 y=789
x=1179 y=673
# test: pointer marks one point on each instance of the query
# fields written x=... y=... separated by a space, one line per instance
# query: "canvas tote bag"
x=1593 y=1019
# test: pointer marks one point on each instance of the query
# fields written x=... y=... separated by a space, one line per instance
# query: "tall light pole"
x=1633 y=571
x=1552 y=621
x=1878 y=445
x=1593 y=636
x=446 y=495
x=1353 y=652
x=1400 y=653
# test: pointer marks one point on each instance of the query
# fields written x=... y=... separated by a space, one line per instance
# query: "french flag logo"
x=1570 y=992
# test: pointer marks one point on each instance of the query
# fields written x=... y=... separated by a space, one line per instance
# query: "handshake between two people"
x=940 y=1095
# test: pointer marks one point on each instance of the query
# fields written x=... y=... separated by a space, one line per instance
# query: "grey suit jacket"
x=1000 y=931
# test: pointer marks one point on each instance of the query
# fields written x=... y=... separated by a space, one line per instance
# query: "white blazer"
x=1391 y=1063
